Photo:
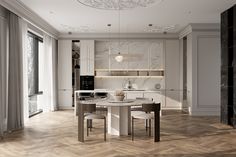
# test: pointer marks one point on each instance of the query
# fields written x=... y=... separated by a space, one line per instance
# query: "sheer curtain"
x=23 y=42
x=47 y=75
x=54 y=75
x=3 y=70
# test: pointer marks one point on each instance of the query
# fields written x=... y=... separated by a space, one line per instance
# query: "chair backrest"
x=151 y=107
x=90 y=108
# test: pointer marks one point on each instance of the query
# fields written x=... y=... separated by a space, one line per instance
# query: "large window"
x=35 y=44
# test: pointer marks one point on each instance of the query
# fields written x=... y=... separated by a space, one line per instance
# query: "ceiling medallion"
x=118 y=4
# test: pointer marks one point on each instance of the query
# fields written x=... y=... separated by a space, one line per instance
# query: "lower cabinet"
x=169 y=99
x=65 y=98
x=172 y=99
x=134 y=95
x=156 y=96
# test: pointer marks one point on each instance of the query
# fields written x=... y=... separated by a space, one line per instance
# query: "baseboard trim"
x=66 y=108
x=205 y=113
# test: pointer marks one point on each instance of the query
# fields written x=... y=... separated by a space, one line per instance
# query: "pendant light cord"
x=119 y=27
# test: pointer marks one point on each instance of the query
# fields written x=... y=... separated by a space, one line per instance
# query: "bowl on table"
x=119 y=98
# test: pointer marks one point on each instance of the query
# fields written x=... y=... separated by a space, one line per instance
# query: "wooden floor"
x=55 y=135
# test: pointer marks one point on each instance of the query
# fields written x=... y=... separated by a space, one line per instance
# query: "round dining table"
x=119 y=115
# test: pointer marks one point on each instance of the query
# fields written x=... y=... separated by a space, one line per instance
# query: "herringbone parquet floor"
x=55 y=135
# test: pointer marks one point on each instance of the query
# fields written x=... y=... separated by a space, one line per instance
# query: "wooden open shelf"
x=129 y=73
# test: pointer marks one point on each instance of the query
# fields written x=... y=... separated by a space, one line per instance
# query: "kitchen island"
x=156 y=95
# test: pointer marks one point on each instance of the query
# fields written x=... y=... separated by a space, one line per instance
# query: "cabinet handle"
x=89 y=59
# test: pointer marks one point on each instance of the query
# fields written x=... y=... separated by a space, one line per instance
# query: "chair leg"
x=150 y=127
x=132 y=128
x=90 y=124
x=105 y=130
x=146 y=125
x=87 y=127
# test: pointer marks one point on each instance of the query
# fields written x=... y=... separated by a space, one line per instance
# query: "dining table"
x=118 y=115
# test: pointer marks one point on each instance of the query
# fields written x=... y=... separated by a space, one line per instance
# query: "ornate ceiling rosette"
x=118 y=4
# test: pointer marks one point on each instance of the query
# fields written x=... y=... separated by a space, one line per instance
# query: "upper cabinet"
x=87 y=57
x=64 y=64
x=172 y=75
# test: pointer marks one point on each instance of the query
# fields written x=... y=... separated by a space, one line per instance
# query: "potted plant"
x=119 y=95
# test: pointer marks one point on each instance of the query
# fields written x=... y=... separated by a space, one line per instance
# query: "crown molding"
x=98 y=36
x=3 y=12
x=187 y=30
x=210 y=27
x=27 y=14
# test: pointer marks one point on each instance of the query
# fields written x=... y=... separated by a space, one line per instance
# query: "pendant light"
x=119 y=57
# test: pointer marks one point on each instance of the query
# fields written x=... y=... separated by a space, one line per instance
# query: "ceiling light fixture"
x=119 y=57
x=118 y=4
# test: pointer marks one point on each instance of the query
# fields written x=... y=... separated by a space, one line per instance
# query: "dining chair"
x=138 y=109
x=149 y=116
x=91 y=114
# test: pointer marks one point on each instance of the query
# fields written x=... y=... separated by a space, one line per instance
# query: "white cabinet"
x=65 y=73
x=65 y=98
x=87 y=57
x=172 y=75
x=134 y=95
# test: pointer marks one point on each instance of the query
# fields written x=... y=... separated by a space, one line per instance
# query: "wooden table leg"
x=80 y=122
x=157 y=124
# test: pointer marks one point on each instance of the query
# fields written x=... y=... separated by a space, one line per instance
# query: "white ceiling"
x=69 y=15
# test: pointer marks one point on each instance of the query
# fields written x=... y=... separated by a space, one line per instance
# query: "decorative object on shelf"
x=128 y=85
x=119 y=95
x=118 y=4
x=77 y=66
x=158 y=86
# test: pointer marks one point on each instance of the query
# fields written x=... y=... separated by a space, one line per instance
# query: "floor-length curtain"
x=23 y=42
x=3 y=70
x=15 y=119
x=54 y=75
x=47 y=75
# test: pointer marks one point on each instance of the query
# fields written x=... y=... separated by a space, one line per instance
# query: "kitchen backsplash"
x=120 y=83
x=143 y=54
x=138 y=54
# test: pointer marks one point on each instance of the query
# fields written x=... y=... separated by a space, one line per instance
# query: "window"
x=34 y=47
x=34 y=44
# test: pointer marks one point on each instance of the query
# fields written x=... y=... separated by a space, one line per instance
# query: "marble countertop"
x=108 y=102
x=112 y=90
